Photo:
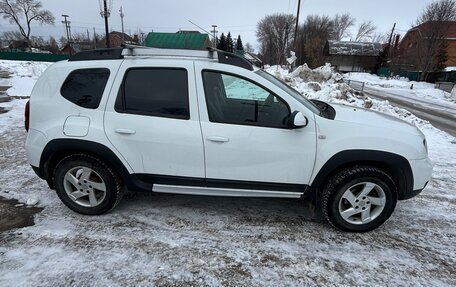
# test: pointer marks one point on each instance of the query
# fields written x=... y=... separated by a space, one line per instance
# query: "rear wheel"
x=87 y=185
x=359 y=199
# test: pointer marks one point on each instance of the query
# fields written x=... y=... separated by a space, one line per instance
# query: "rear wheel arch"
x=58 y=149
x=396 y=166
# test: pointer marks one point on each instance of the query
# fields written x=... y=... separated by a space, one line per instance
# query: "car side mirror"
x=297 y=120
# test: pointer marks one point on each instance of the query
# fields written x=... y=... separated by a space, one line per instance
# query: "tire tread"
x=335 y=180
x=119 y=189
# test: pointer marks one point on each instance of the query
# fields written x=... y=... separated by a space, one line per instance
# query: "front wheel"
x=87 y=185
x=359 y=199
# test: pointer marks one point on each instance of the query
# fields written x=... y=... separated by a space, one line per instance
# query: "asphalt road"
x=442 y=117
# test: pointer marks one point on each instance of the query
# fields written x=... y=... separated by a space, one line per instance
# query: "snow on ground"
x=175 y=240
x=421 y=90
x=25 y=75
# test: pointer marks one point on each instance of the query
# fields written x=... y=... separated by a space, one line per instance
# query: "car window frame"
x=120 y=107
x=85 y=69
x=252 y=82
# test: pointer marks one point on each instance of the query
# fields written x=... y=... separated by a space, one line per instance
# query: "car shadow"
x=234 y=206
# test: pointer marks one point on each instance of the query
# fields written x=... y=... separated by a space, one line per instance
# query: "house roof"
x=75 y=47
x=450 y=25
x=176 y=40
x=352 y=48
x=126 y=37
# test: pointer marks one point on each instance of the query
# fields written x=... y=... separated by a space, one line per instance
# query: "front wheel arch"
x=396 y=166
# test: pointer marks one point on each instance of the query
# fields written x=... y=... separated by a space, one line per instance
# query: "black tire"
x=347 y=178
x=113 y=185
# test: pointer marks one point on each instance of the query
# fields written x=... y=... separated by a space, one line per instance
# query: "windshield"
x=289 y=90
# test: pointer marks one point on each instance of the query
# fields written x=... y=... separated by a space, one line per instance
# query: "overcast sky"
x=238 y=16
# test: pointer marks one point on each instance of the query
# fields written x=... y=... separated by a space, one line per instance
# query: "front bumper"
x=422 y=172
x=38 y=171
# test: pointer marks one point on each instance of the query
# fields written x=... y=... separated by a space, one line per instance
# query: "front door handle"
x=125 y=131
x=218 y=139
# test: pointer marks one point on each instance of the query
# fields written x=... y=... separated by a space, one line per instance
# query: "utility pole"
x=390 y=40
x=67 y=23
x=391 y=35
x=105 y=14
x=88 y=36
x=142 y=38
x=94 y=38
x=287 y=27
x=213 y=33
x=121 y=19
x=296 y=27
x=69 y=31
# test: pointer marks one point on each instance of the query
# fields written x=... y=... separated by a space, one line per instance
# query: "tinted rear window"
x=156 y=92
x=85 y=87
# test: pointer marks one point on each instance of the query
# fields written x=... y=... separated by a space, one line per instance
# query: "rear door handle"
x=125 y=131
x=218 y=139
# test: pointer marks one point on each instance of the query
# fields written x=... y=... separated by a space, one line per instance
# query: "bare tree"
x=431 y=30
x=275 y=34
x=37 y=42
x=365 y=31
x=23 y=13
x=248 y=48
x=52 y=46
x=379 y=37
x=341 y=25
x=10 y=38
x=312 y=37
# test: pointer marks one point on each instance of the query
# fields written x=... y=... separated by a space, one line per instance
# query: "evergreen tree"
x=222 y=45
x=239 y=46
x=229 y=43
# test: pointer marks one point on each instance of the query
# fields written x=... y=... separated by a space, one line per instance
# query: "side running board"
x=213 y=191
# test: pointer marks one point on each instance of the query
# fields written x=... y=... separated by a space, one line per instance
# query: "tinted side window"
x=234 y=100
x=155 y=92
x=85 y=87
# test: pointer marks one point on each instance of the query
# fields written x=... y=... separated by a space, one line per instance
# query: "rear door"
x=152 y=118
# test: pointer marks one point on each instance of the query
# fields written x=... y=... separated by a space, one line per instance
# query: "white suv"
x=208 y=123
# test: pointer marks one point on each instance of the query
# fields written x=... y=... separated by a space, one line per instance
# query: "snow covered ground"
x=175 y=240
x=25 y=76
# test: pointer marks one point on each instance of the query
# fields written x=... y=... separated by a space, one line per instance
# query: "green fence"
x=38 y=57
x=412 y=76
x=384 y=72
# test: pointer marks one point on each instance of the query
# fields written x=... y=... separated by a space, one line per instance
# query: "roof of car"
x=132 y=51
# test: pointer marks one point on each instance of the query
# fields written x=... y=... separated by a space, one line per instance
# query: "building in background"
x=353 y=56
x=192 y=40
x=409 y=48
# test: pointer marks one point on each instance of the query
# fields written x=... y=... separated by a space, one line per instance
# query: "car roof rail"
x=222 y=57
x=133 y=50
x=231 y=59
x=98 y=54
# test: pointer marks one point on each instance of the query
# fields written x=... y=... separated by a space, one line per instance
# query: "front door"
x=245 y=130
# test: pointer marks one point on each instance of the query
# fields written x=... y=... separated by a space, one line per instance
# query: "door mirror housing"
x=297 y=120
